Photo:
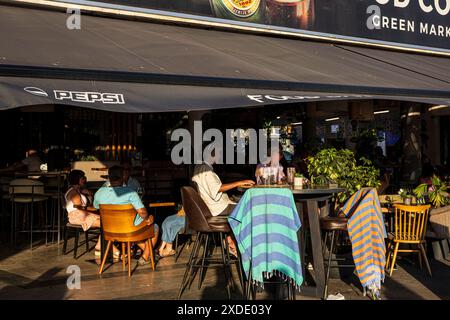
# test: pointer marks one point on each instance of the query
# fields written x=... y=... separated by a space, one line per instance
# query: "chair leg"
x=205 y=249
x=189 y=266
x=226 y=264
x=123 y=256
x=108 y=246
x=420 y=259
x=152 y=258
x=75 y=248
x=65 y=240
x=129 y=258
x=86 y=236
x=330 y=255
x=394 y=258
x=424 y=254
x=389 y=253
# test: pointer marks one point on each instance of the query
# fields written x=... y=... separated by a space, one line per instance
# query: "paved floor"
x=42 y=274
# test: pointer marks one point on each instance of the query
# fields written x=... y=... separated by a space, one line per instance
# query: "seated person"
x=170 y=228
x=118 y=194
x=128 y=180
x=276 y=169
x=78 y=195
x=213 y=191
x=31 y=163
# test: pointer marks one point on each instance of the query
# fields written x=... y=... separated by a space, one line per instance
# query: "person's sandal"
x=143 y=262
x=171 y=253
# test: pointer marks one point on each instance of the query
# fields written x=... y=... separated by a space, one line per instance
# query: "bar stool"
x=206 y=227
x=25 y=193
x=335 y=225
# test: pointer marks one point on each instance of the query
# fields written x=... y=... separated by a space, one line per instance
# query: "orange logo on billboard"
x=242 y=8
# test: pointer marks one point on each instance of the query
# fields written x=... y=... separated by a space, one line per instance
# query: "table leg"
x=301 y=237
x=316 y=243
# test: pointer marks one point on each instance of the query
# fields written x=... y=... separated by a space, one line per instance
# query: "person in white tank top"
x=78 y=196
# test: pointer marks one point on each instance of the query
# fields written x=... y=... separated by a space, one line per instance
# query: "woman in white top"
x=77 y=195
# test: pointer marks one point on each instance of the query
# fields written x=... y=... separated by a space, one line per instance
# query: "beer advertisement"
x=407 y=23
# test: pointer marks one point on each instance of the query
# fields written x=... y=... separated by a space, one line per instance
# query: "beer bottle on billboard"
x=240 y=10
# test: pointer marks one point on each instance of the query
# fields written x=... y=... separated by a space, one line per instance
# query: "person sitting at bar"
x=274 y=167
x=213 y=191
x=170 y=228
x=31 y=163
x=117 y=193
x=129 y=181
x=77 y=197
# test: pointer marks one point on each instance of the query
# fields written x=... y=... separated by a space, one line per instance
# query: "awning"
x=132 y=66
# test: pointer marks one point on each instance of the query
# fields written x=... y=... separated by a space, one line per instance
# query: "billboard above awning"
x=408 y=24
x=130 y=66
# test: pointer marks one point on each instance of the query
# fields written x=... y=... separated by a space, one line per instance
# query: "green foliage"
x=340 y=166
x=437 y=193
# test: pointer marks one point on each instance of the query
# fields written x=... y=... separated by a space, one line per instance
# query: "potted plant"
x=439 y=231
x=298 y=180
x=332 y=166
x=436 y=193
x=406 y=196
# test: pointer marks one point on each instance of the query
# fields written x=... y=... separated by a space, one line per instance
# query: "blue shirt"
x=119 y=195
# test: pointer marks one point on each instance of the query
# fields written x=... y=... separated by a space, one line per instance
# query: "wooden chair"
x=410 y=226
x=118 y=225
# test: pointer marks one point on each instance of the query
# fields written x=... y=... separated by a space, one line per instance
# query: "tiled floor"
x=42 y=274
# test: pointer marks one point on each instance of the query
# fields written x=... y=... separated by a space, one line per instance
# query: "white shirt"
x=69 y=204
x=209 y=184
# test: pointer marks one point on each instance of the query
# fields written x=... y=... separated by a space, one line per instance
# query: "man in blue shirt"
x=119 y=194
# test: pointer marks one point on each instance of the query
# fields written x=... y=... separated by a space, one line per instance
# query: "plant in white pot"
x=406 y=196
x=299 y=180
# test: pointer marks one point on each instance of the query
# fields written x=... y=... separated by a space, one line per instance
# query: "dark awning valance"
x=131 y=66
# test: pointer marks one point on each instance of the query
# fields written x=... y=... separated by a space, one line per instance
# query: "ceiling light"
x=382 y=111
x=332 y=119
x=437 y=107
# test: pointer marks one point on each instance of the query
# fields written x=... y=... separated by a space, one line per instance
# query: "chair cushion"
x=218 y=224
x=333 y=223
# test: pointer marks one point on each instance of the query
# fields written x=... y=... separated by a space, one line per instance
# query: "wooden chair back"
x=410 y=223
x=118 y=224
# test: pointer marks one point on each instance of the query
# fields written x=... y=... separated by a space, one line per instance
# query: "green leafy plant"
x=331 y=166
x=299 y=175
x=404 y=194
x=436 y=193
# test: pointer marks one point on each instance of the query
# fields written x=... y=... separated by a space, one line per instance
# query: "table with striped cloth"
x=265 y=223
x=367 y=232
